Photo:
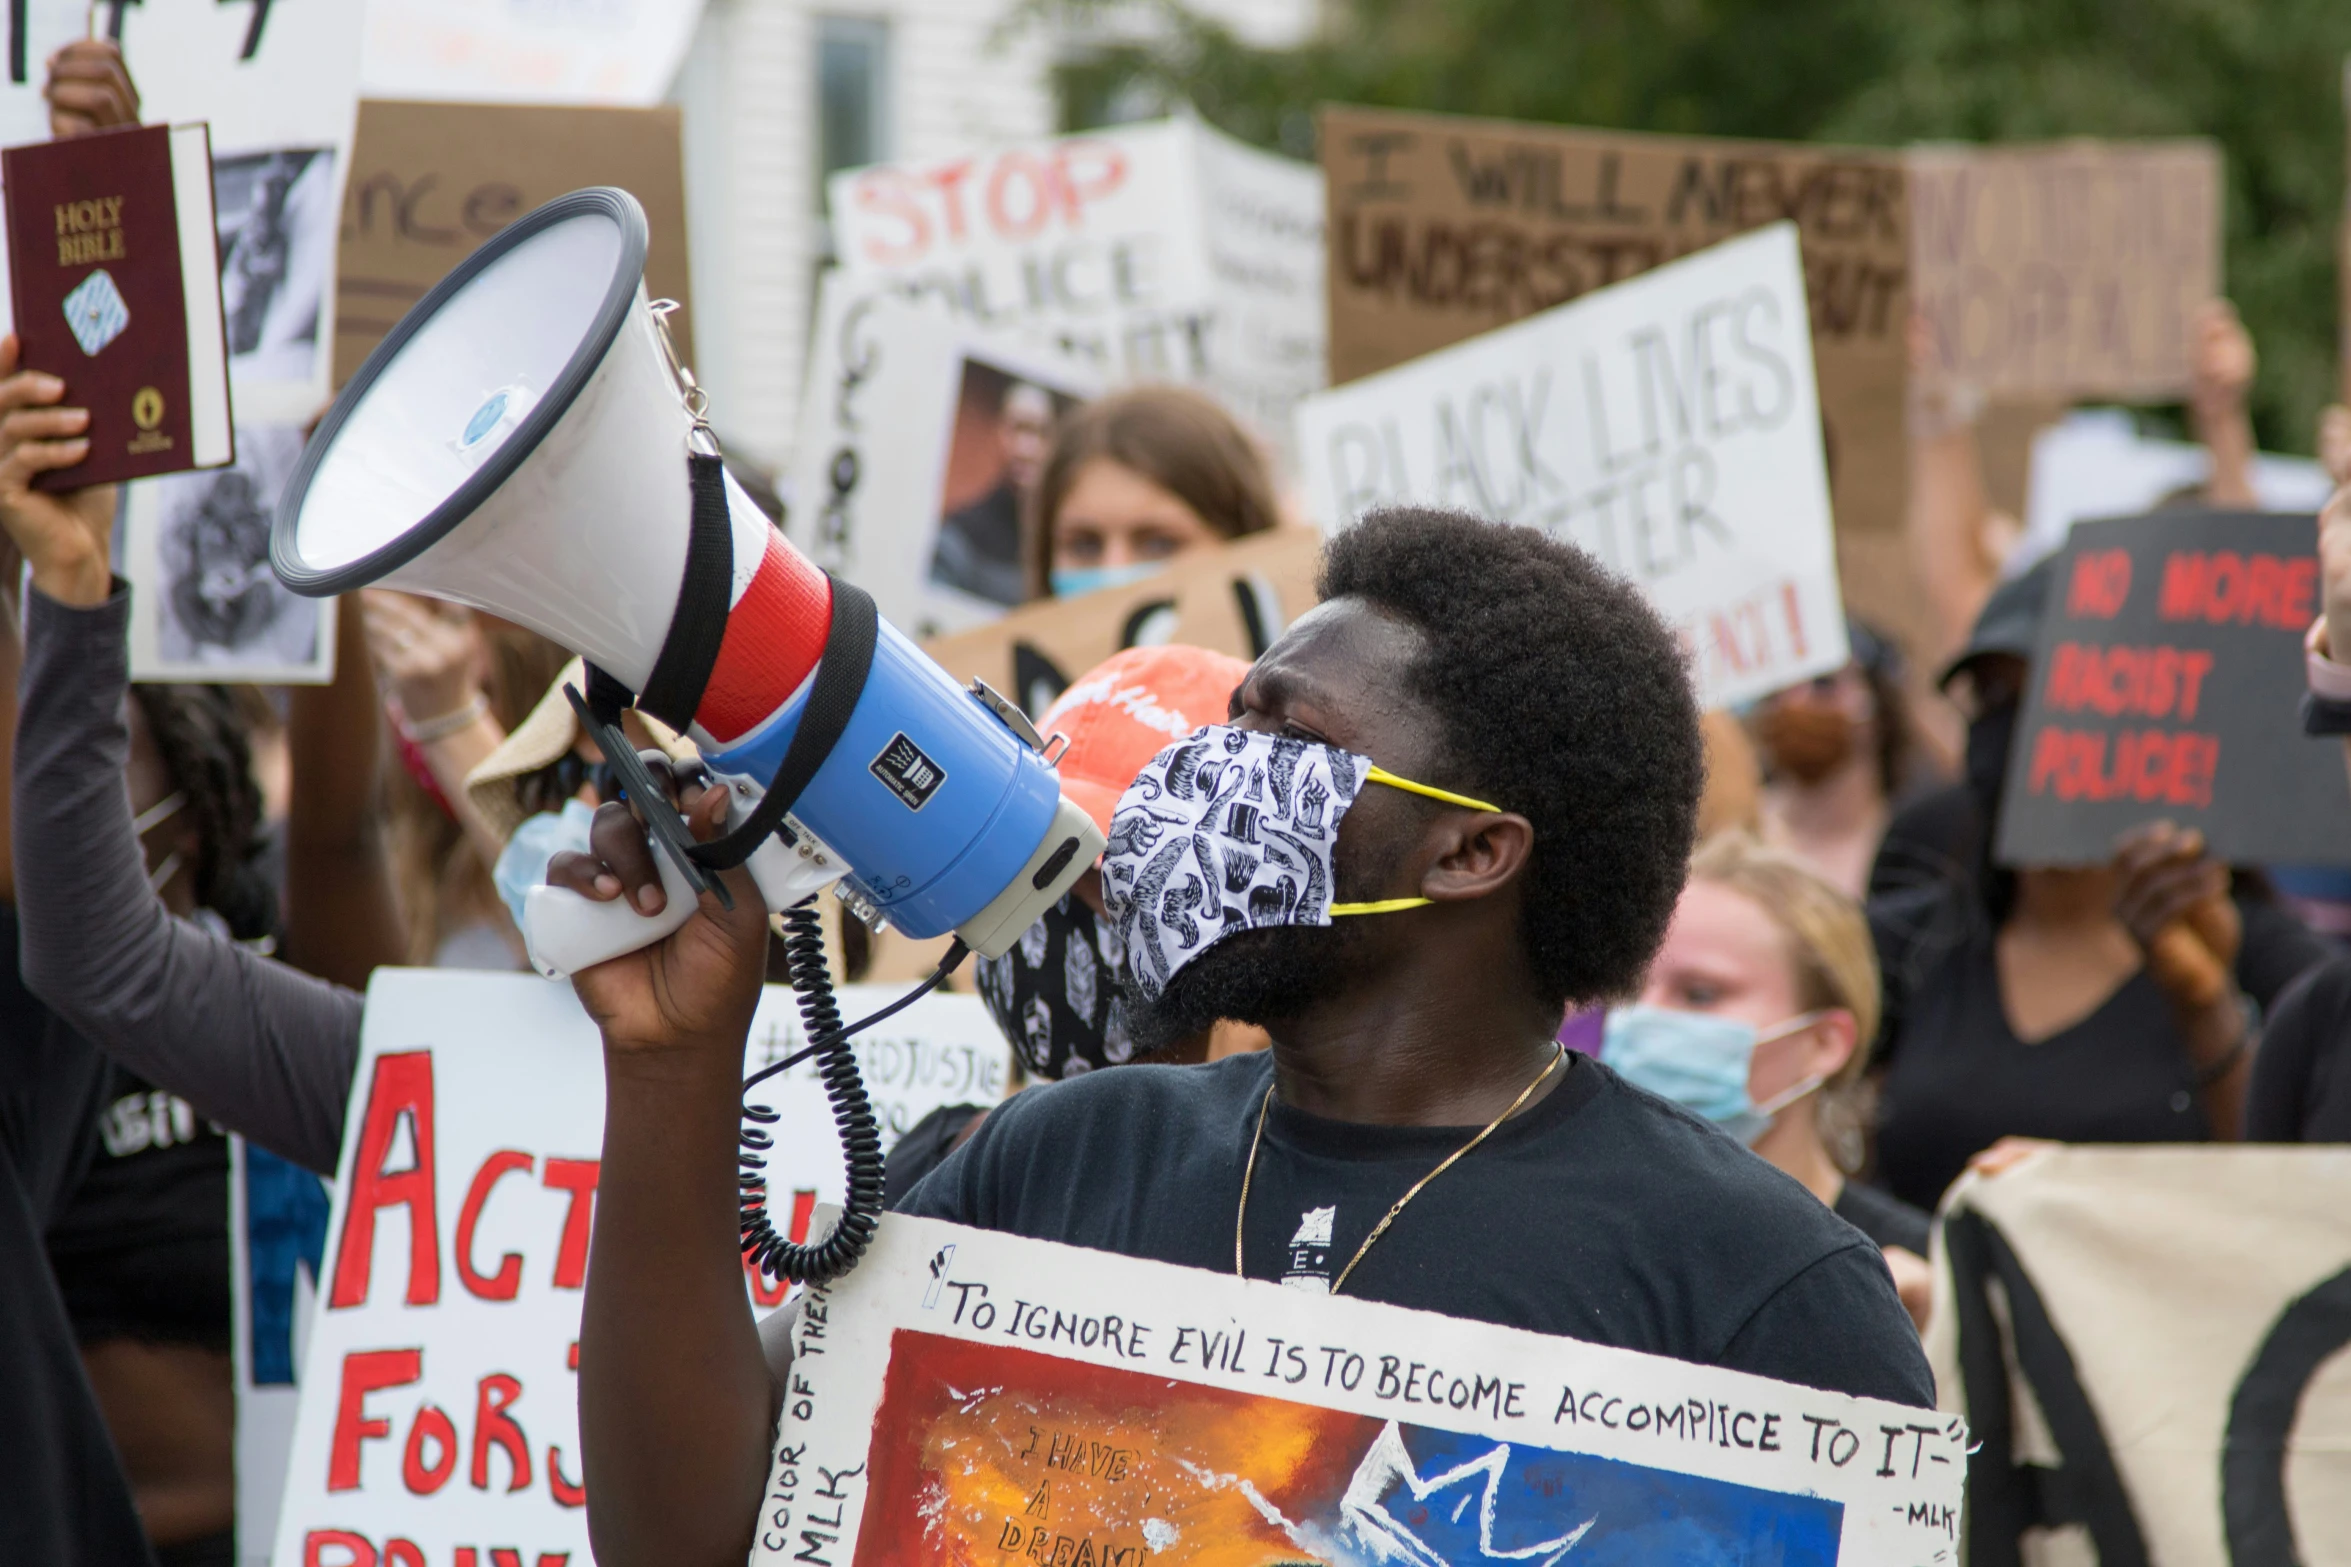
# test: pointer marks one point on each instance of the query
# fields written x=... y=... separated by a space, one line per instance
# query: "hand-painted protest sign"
x=430 y=181
x=1442 y=228
x=279 y=85
x=922 y=438
x=438 y=1389
x=2095 y=464
x=2073 y=268
x=2150 y=1344
x=1163 y=252
x=619 y=52
x=34 y=30
x=1664 y=424
x=2166 y=687
x=970 y=1396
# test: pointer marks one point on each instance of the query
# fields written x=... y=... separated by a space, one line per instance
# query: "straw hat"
x=544 y=738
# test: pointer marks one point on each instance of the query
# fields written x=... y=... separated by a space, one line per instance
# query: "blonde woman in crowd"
x=1757 y=1014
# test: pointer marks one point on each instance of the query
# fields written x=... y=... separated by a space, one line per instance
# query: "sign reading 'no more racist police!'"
x=2167 y=687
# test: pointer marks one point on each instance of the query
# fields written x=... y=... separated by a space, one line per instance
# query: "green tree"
x=2264 y=80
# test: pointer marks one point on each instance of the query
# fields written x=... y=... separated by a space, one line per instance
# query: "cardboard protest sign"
x=1442 y=228
x=1162 y=252
x=2096 y=464
x=438 y=1391
x=2149 y=1344
x=620 y=52
x=1664 y=424
x=1235 y=598
x=922 y=438
x=2073 y=268
x=279 y=86
x=205 y=604
x=277 y=1238
x=971 y=1396
x=430 y=181
x=2167 y=686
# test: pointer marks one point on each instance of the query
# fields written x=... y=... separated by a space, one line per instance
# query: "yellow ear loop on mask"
x=1381 y=775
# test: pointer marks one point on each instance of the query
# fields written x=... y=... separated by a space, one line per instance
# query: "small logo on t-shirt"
x=1310 y=1251
x=907 y=773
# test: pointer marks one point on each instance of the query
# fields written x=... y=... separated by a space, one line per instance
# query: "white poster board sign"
x=439 y=1387
x=279 y=85
x=1669 y=425
x=1160 y=252
x=976 y=1397
x=32 y=31
x=2094 y=463
x=617 y=52
x=922 y=437
x=2153 y=1346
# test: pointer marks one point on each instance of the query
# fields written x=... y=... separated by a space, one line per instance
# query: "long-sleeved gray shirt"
x=265 y=1050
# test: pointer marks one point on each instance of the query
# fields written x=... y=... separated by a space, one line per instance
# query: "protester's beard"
x=1805 y=741
x=1272 y=974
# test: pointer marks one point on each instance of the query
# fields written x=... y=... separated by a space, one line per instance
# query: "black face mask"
x=1056 y=996
x=1991 y=735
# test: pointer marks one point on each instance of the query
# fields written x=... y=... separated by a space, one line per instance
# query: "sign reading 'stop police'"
x=2166 y=687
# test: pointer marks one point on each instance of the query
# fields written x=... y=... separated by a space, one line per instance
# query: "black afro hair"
x=1562 y=696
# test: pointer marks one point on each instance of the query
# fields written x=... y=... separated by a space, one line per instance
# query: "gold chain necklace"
x=1249 y=1171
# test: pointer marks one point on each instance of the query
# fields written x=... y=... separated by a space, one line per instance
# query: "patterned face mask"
x=1232 y=830
x=1055 y=994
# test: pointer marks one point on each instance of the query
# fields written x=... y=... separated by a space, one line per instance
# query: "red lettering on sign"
x=508 y=1279
x=492 y=1424
x=2221 y=586
x=403 y=1553
x=402 y=1087
x=2101 y=582
x=578 y=1177
x=566 y=1494
x=2149 y=766
x=364 y=1372
x=2144 y=682
x=433 y=1425
x=358 y=1550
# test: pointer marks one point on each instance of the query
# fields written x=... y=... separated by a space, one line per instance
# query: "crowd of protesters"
x=1733 y=1013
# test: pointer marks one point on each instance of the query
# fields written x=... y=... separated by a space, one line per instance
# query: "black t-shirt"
x=1884 y=1218
x=142 y=1248
x=63 y=1497
x=1602 y=1213
x=924 y=1148
x=2301 y=1091
x=1958 y=1079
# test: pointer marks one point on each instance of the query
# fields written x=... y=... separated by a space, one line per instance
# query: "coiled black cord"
x=861 y=1135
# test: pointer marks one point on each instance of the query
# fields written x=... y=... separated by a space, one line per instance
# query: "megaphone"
x=521 y=442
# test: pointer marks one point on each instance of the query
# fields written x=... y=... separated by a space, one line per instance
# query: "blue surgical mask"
x=1700 y=1062
x=522 y=864
x=1070 y=581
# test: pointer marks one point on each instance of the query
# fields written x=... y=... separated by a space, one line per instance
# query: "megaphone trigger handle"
x=662 y=822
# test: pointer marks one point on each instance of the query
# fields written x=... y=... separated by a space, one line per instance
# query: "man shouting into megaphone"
x=1454 y=800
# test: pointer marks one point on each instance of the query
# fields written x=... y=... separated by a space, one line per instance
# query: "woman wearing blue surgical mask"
x=1136 y=479
x=1755 y=1015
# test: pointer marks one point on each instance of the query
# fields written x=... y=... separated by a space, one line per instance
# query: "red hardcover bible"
x=114 y=275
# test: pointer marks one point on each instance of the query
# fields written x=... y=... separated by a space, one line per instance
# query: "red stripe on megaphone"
x=775 y=635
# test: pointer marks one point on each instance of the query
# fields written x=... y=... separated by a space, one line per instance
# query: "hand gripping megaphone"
x=522 y=442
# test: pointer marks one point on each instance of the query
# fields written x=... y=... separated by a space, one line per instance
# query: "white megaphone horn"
x=522 y=442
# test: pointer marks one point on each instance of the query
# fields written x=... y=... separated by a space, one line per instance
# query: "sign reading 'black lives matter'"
x=2166 y=687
